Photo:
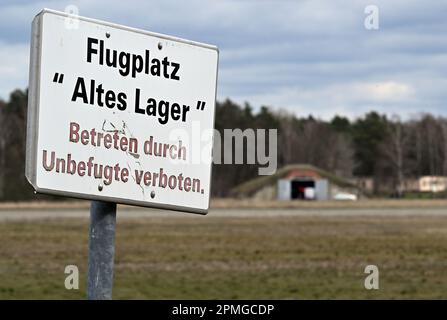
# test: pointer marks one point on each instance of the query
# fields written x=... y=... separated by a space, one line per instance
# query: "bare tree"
x=443 y=124
x=315 y=142
x=2 y=150
x=393 y=148
x=289 y=133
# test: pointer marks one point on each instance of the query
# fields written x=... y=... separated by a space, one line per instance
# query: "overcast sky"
x=308 y=57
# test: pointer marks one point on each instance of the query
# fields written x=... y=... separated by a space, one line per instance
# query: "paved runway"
x=129 y=213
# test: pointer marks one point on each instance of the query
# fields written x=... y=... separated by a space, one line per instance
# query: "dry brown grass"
x=197 y=257
x=252 y=203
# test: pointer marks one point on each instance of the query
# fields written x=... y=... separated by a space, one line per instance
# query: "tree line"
x=388 y=150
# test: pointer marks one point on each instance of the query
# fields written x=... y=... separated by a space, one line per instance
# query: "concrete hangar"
x=298 y=182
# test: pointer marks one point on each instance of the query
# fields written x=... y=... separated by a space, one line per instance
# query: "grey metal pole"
x=101 y=250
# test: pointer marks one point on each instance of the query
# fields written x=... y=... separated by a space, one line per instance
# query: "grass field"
x=195 y=257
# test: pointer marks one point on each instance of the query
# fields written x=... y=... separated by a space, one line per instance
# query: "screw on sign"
x=107 y=84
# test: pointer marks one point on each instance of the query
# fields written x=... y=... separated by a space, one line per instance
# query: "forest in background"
x=386 y=149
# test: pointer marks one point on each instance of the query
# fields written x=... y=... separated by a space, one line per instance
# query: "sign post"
x=118 y=115
x=101 y=250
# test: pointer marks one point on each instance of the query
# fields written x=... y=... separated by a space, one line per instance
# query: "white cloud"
x=385 y=91
x=348 y=99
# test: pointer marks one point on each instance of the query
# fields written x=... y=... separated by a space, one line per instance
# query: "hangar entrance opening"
x=298 y=188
